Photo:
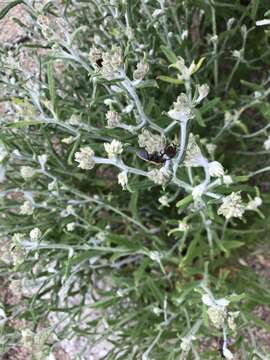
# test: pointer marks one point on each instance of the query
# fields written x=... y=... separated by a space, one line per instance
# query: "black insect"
x=99 y=62
x=220 y=347
x=158 y=158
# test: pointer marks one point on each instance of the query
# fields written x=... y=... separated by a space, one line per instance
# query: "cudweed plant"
x=134 y=174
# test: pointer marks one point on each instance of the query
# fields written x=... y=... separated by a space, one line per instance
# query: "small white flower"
x=184 y=35
x=266 y=144
x=74 y=120
x=68 y=140
x=159 y=177
x=227 y=179
x=141 y=70
x=198 y=191
x=113 y=149
x=185 y=71
x=35 y=234
x=203 y=92
x=183 y=226
x=211 y=148
x=263 y=22
x=85 y=158
x=193 y=157
x=95 y=54
x=216 y=311
x=232 y=206
x=112 y=64
x=71 y=226
x=26 y=208
x=157 y=311
x=164 y=200
x=254 y=204
x=182 y=109
x=186 y=343
x=27 y=172
x=237 y=54
x=151 y=142
x=231 y=319
x=215 y=169
x=155 y=256
x=113 y=119
x=123 y=179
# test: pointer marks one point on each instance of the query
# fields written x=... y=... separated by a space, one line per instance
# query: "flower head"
x=95 y=54
x=123 y=179
x=182 y=109
x=215 y=169
x=203 y=92
x=27 y=172
x=227 y=179
x=112 y=64
x=71 y=226
x=186 y=343
x=217 y=309
x=151 y=142
x=85 y=158
x=254 y=203
x=141 y=70
x=35 y=234
x=164 y=201
x=113 y=149
x=194 y=157
x=27 y=208
x=74 y=120
x=232 y=206
x=159 y=177
x=113 y=119
x=183 y=226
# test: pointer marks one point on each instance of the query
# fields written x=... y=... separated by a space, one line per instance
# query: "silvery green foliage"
x=125 y=185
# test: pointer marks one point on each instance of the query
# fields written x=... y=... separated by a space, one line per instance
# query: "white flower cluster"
x=185 y=71
x=203 y=92
x=35 y=234
x=254 y=203
x=159 y=176
x=164 y=201
x=182 y=109
x=186 y=343
x=27 y=208
x=112 y=63
x=193 y=157
x=85 y=158
x=151 y=142
x=232 y=206
x=95 y=54
x=27 y=172
x=217 y=310
x=215 y=169
x=141 y=70
x=75 y=120
x=123 y=179
x=113 y=149
x=113 y=119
